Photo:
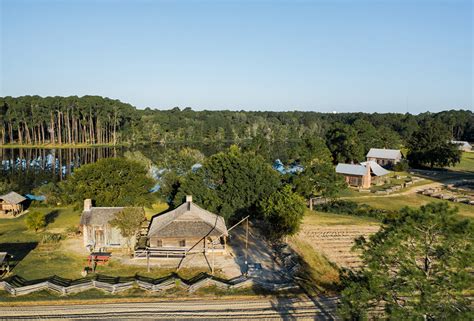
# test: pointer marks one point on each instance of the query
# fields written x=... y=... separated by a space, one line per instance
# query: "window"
x=159 y=243
x=182 y=243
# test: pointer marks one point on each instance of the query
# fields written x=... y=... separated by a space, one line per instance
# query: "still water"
x=26 y=168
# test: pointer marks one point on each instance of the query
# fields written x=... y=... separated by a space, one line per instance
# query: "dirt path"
x=410 y=190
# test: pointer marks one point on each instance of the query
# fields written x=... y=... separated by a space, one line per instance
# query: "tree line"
x=33 y=120
x=91 y=120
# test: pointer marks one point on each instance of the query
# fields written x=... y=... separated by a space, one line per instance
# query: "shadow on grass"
x=51 y=216
x=18 y=251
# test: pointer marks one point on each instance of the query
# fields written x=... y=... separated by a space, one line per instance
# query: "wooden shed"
x=12 y=203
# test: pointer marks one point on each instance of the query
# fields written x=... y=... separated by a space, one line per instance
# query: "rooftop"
x=99 y=215
x=13 y=198
x=187 y=220
x=384 y=153
x=351 y=169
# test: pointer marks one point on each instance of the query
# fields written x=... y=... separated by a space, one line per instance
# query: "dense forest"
x=34 y=120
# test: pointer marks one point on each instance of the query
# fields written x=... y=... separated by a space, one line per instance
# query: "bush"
x=401 y=166
x=353 y=208
x=51 y=238
x=35 y=221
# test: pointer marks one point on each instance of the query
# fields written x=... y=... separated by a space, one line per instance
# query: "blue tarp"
x=35 y=198
x=290 y=169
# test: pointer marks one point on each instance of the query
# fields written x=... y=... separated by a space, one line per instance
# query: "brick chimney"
x=87 y=205
x=189 y=199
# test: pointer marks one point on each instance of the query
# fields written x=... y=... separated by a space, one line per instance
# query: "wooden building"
x=97 y=233
x=12 y=203
x=187 y=228
x=384 y=157
x=361 y=175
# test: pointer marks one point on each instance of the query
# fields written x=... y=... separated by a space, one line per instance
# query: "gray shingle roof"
x=461 y=143
x=351 y=169
x=384 y=153
x=187 y=220
x=99 y=215
x=13 y=198
x=376 y=168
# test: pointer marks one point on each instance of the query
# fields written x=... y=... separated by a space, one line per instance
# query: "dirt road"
x=321 y=308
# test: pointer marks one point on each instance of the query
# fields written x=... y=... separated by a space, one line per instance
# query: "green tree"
x=431 y=145
x=35 y=221
x=319 y=180
x=311 y=150
x=229 y=183
x=129 y=222
x=419 y=265
x=110 y=182
x=344 y=144
x=283 y=212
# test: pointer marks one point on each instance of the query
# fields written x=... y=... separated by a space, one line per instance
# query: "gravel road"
x=321 y=308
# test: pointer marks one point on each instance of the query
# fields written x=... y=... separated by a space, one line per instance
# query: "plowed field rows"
x=336 y=241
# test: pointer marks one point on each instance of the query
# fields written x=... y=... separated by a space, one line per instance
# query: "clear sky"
x=384 y=56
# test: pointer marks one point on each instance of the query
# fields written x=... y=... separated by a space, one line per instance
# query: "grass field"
x=412 y=200
x=466 y=164
x=33 y=261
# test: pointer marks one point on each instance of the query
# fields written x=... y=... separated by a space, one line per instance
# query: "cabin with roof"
x=12 y=203
x=187 y=229
x=97 y=233
x=462 y=145
x=361 y=175
x=384 y=157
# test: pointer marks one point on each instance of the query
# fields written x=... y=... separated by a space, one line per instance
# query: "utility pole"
x=247 y=246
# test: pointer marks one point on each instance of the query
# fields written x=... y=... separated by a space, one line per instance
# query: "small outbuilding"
x=12 y=203
x=97 y=232
x=384 y=157
x=361 y=175
x=462 y=145
x=187 y=228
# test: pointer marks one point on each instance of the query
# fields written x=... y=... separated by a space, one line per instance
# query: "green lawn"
x=466 y=164
x=33 y=261
x=412 y=200
x=327 y=219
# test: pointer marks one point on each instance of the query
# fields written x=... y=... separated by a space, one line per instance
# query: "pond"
x=26 y=168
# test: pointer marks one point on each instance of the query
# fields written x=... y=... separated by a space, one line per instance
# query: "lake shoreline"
x=62 y=146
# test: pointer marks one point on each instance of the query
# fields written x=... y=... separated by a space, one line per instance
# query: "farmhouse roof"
x=187 y=220
x=376 y=169
x=13 y=198
x=384 y=153
x=361 y=169
x=461 y=143
x=351 y=169
x=99 y=215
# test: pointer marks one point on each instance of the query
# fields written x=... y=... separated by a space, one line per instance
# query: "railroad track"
x=321 y=308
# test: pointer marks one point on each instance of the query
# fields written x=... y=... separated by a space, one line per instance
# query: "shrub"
x=35 y=221
x=352 y=208
x=51 y=238
x=401 y=166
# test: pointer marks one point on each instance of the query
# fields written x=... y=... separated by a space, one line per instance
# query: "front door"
x=99 y=238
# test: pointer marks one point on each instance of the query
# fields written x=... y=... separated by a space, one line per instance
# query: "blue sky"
x=371 y=56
